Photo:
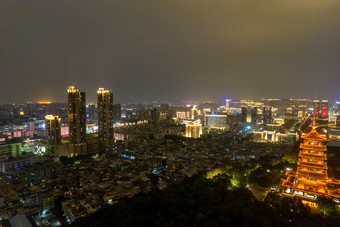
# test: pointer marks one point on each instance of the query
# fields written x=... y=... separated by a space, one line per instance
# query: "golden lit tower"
x=53 y=129
x=77 y=119
x=312 y=164
x=310 y=180
x=105 y=116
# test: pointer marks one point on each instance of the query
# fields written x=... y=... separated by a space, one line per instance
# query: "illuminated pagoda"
x=310 y=180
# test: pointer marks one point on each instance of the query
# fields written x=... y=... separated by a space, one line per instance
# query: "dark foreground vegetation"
x=221 y=198
x=199 y=201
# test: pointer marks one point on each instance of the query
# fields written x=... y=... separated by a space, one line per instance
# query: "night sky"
x=169 y=51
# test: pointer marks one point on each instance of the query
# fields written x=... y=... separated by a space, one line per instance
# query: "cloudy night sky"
x=169 y=51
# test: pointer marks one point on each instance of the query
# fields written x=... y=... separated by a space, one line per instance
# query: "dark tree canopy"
x=206 y=202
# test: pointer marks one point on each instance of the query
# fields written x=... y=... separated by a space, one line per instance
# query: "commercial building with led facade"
x=316 y=108
x=324 y=109
x=217 y=121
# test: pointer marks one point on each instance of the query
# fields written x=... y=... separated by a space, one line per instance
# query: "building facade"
x=77 y=120
x=324 y=109
x=193 y=129
x=316 y=108
x=105 y=116
x=53 y=129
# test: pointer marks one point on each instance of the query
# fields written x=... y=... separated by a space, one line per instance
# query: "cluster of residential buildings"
x=128 y=169
x=59 y=162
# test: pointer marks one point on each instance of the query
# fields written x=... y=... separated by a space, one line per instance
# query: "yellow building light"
x=71 y=89
x=51 y=117
x=103 y=91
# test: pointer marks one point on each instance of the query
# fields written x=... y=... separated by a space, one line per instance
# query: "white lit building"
x=193 y=129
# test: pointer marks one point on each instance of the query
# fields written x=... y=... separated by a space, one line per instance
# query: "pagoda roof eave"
x=313 y=147
x=304 y=155
x=314 y=138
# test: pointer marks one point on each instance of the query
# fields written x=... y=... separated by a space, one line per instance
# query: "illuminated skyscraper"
x=77 y=120
x=324 y=108
x=53 y=129
x=316 y=108
x=105 y=116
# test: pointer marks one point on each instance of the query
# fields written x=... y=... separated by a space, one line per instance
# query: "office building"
x=13 y=150
x=216 y=121
x=182 y=114
x=105 y=116
x=316 y=108
x=53 y=129
x=324 y=109
x=193 y=129
x=77 y=120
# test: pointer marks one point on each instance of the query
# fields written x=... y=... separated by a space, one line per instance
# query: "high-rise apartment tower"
x=77 y=119
x=105 y=116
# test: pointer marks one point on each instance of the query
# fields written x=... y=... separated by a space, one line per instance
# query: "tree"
x=327 y=206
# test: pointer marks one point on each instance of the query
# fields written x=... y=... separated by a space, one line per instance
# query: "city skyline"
x=170 y=51
x=220 y=100
x=169 y=113
x=181 y=102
